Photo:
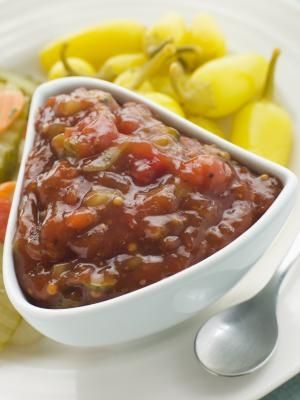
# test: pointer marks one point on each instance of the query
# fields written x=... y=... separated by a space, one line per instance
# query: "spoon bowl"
x=252 y=324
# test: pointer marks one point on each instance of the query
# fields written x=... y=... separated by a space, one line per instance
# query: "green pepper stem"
x=154 y=64
x=65 y=61
x=157 y=48
x=178 y=78
x=189 y=49
x=189 y=56
x=269 y=82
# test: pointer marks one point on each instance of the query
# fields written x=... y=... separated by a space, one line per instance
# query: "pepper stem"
x=189 y=49
x=157 y=48
x=154 y=64
x=63 y=56
x=269 y=82
x=178 y=78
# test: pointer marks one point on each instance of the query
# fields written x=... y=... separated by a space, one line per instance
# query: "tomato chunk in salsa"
x=114 y=200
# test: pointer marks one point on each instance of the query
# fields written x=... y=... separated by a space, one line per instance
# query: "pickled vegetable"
x=165 y=101
x=95 y=45
x=80 y=66
x=7 y=190
x=136 y=77
x=13 y=119
x=207 y=124
x=162 y=83
x=116 y=65
x=11 y=79
x=190 y=56
x=25 y=335
x=128 y=78
x=12 y=102
x=206 y=34
x=222 y=86
x=1 y=272
x=13 y=329
x=264 y=127
x=4 y=214
x=170 y=28
x=9 y=142
x=6 y=193
x=9 y=319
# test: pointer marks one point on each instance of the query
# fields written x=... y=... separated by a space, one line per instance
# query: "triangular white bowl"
x=167 y=302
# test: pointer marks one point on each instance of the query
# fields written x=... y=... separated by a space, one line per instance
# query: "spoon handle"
x=291 y=258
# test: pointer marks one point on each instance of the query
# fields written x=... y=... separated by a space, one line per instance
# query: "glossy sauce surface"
x=114 y=200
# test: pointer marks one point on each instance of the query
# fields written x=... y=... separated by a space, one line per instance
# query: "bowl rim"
x=253 y=161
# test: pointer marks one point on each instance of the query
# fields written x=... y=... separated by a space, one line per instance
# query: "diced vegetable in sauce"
x=115 y=200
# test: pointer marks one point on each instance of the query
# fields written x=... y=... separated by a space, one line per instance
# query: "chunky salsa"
x=115 y=200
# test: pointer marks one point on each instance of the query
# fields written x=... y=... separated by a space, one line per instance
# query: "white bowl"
x=167 y=302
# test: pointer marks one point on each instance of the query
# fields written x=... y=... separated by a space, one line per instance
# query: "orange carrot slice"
x=12 y=102
x=4 y=214
x=7 y=190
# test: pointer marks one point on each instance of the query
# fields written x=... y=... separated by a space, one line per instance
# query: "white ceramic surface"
x=172 y=300
x=162 y=367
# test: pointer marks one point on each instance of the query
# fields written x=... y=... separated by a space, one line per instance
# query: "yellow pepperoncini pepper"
x=165 y=101
x=264 y=127
x=116 y=65
x=220 y=87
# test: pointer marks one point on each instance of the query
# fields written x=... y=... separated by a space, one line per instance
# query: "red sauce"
x=114 y=200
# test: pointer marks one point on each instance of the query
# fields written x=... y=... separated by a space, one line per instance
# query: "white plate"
x=162 y=367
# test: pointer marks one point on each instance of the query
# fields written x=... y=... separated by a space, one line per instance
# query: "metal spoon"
x=241 y=339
